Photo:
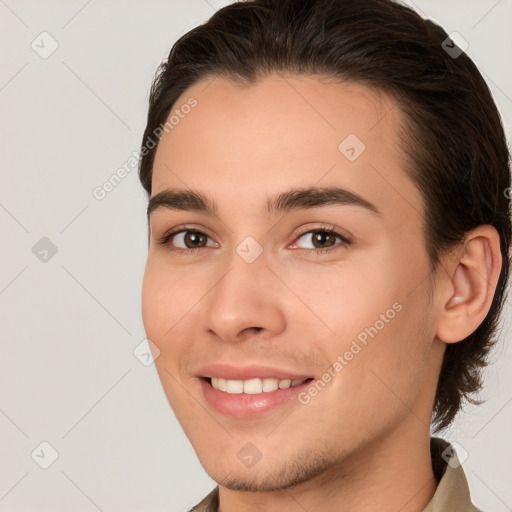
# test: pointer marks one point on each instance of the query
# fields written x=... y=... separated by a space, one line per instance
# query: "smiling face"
x=262 y=284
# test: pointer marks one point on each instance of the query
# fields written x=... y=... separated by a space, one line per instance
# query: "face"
x=293 y=327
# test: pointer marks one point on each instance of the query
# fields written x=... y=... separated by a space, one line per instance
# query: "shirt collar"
x=452 y=493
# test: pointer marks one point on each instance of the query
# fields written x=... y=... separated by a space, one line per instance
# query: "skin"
x=363 y=442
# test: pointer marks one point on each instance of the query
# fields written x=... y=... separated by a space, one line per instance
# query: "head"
x=348 y=178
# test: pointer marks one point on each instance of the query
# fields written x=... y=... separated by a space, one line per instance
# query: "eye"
x=321 y=240
x=188 y=239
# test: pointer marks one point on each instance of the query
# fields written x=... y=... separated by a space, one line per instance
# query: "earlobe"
x=473 y=282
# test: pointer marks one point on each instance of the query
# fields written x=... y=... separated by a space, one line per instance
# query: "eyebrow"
x=285 y=202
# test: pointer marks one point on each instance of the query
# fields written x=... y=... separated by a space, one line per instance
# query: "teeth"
x=235 y=386
x=270 y=385
x=283 y=384
x=222 y=384
x=253 y=386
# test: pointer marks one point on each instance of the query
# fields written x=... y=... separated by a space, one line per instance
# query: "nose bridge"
x=244 y=297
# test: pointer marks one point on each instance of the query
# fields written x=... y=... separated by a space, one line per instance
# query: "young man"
x=328 y=252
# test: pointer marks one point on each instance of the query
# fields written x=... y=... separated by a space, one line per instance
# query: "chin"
x=272 y=475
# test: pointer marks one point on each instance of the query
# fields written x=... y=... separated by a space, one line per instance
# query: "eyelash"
x=165 y=239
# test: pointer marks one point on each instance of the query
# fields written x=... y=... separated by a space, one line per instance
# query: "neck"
x=392 y=473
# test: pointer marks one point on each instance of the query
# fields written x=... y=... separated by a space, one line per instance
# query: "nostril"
x=253 y=330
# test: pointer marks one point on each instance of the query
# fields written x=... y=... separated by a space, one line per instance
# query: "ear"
x=472 y=282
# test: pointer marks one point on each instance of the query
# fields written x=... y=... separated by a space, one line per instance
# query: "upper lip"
x=230 y=372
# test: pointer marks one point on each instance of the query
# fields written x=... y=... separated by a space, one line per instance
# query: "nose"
x=245 y=302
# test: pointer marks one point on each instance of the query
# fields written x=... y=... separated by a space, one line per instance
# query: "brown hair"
x=455 y=138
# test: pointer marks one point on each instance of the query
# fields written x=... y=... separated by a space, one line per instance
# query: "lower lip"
x=247 y=406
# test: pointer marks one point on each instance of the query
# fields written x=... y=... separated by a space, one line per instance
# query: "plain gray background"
x=70 y=321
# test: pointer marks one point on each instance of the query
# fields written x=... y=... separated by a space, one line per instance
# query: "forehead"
x=294 y=130
x=283 y=110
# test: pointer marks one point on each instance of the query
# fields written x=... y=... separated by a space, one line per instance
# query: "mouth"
x=254 y=397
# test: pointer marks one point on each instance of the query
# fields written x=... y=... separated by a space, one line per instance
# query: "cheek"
x=388 y=370
x=343 y=299
x=164 y=306
x=162 y=309
x=378 y=326
x=154 y=302
x=166 y=298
